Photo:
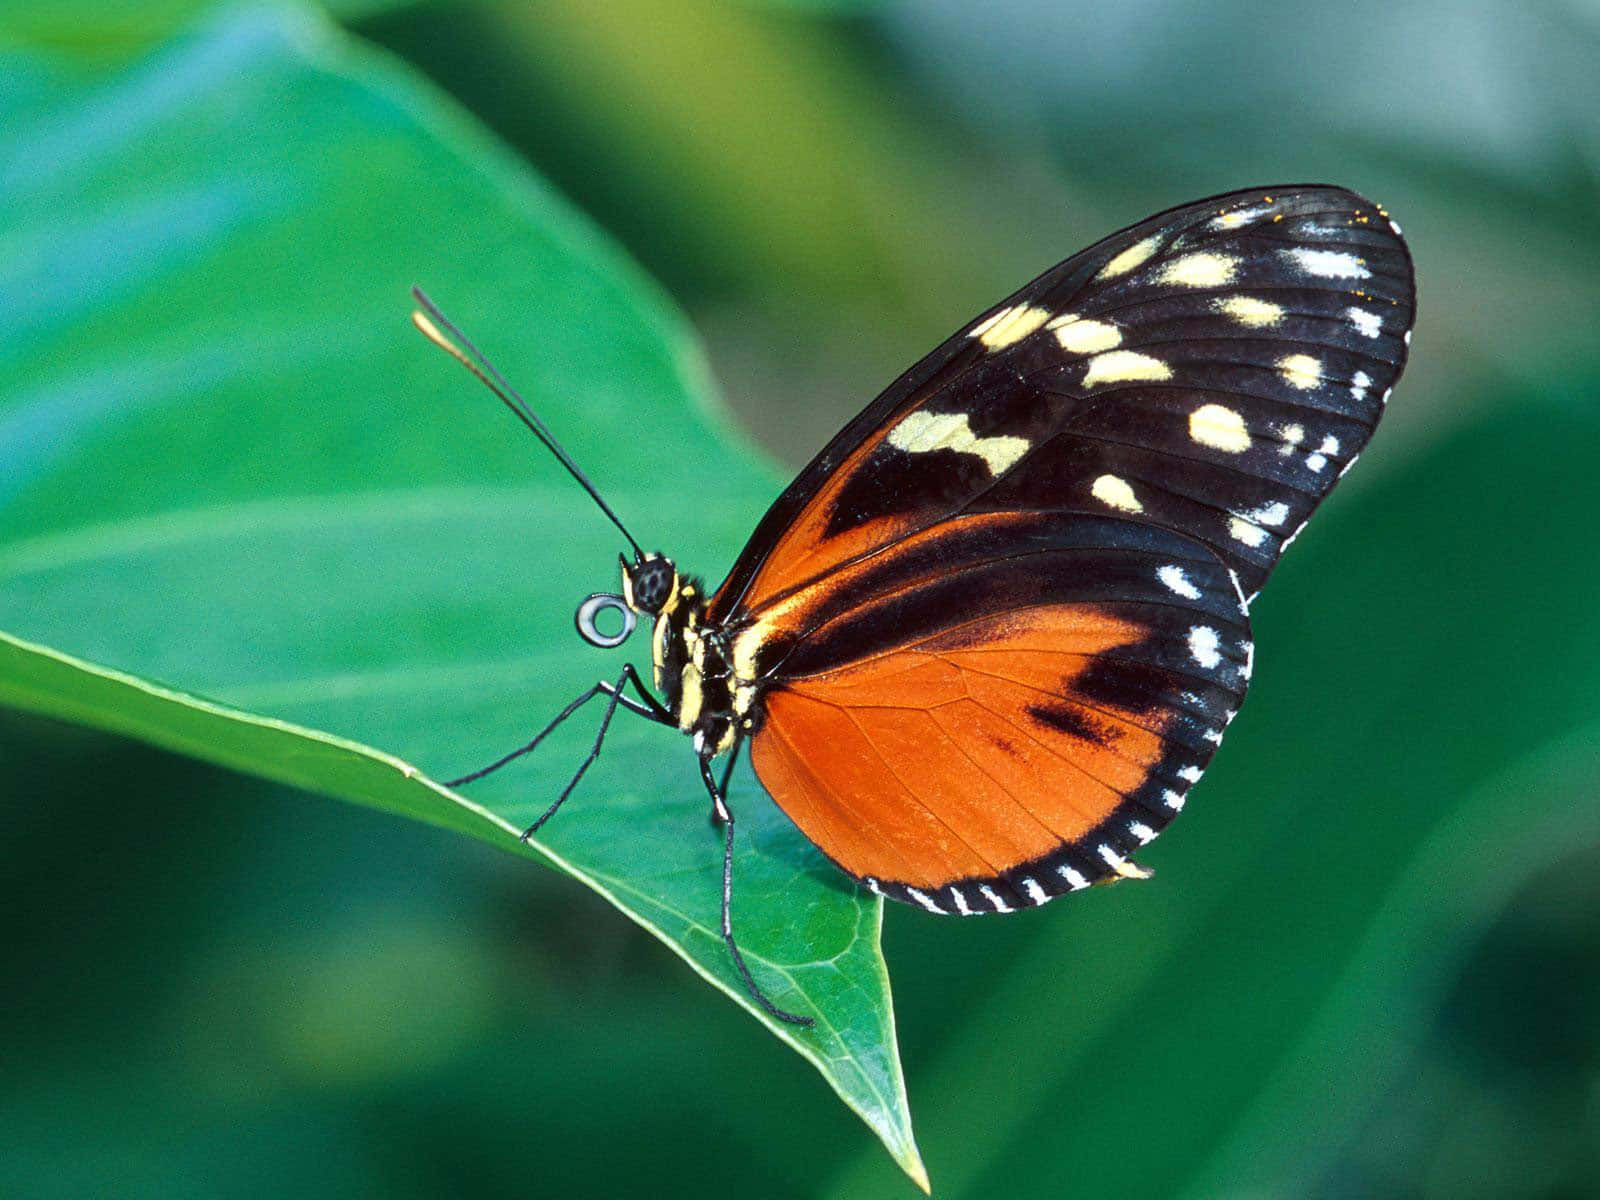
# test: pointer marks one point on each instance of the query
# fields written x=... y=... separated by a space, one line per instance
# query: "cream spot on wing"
x=1245 y=531
x=1200 y=270
x=1238 y=217
x=1250 y=311
x=1219 y=427
x=1123 y=366
x=1009 y=326
x=1359 y=383
x=1300 y=371
x=1109 y=489
x=922 y=431
x=1367 y=324
x=1292 y=436
x=1328 y=264
x=1130 y=258
x=1205 y=646
x=1176 y=581
x=1081 y=336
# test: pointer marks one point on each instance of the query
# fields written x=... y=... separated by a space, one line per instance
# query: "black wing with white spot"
x=1212 y=370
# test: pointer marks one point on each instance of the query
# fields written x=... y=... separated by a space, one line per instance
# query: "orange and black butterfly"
x=985 y=643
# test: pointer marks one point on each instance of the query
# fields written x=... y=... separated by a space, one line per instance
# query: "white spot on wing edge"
x=993 y=898
x=1114 y=490
x=1031 y=888
x=1191 y=773
x=924 y=899
x=962 y=906
x=1141 y=831
x=1328 y=264
x=1205 y=646
x=1175 y=580
x=1075 y=879
x=1173 y=800
x=1359 y=383
x=1219 y=427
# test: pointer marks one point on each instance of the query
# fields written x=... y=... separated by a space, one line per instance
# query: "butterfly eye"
x=590 y=610
x=651 y=580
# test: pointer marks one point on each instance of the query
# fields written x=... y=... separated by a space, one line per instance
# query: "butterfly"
x=984 y=644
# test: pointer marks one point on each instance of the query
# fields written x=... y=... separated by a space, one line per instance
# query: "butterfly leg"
x=722 y=788
x=646 y=706
x=723 y=815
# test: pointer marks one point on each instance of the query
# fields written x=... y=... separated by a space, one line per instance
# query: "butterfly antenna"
x=438 y=329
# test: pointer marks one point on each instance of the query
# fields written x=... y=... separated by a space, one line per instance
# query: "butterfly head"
x=649 y=582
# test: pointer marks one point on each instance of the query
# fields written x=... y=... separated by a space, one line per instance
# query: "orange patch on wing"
x=932 y=763
x=801 y=609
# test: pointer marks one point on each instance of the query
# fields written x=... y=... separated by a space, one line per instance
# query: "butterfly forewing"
x=999 y=624
x=1212 y=369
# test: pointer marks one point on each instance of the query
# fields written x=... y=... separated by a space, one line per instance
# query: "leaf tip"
x=918 y=1173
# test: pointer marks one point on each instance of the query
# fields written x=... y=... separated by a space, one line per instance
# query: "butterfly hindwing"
x=1213 y=369
x=1019 y=727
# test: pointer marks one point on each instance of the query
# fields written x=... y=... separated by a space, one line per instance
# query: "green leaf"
x=228 y=463
x=94 y=29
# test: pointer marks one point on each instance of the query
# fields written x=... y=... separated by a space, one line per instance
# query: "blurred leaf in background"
x=1367 y=963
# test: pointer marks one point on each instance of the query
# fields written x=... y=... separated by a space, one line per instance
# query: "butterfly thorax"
x=692 y=660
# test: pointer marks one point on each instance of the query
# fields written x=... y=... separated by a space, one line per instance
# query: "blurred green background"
x=1370 y=962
